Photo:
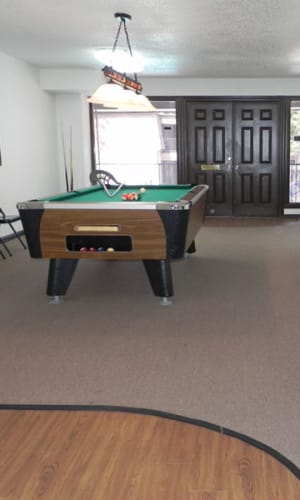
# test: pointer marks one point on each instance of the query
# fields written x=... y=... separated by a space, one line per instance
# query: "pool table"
x=93 y=223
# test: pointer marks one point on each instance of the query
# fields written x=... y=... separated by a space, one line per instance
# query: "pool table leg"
x=60 y=276
x=160 y=277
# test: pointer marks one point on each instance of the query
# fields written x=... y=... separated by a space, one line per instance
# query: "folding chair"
x=10 y=219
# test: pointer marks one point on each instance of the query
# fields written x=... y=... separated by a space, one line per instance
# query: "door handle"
x=229 y=164
x=237 y=168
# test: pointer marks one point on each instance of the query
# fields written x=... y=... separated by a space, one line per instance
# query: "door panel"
x=256 y=158
x=209 y=142
x=233 y=147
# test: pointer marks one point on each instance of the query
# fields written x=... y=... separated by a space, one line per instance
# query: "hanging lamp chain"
x=123 y=24
x=127 y=36
x=117 y=36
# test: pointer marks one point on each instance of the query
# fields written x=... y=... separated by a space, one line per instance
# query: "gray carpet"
x=227 y=351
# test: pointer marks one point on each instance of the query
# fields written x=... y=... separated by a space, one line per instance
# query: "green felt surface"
x=96 y=194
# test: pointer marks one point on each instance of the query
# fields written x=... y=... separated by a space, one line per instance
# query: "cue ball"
x=142 y=190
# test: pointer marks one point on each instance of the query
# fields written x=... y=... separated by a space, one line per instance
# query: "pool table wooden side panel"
x=196 y=220
x=143 y=226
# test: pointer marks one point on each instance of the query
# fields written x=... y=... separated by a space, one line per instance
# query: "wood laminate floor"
x=114 y=454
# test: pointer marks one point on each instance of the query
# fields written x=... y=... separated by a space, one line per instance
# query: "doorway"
x=233 y=147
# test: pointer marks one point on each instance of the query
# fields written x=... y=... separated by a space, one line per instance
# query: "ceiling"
x=175 y=38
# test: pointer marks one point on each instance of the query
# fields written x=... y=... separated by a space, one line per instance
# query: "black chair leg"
x=6 y=247
x=1 y=253
x=17 y=236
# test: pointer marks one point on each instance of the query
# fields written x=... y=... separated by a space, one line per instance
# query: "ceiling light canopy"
x=120 y=91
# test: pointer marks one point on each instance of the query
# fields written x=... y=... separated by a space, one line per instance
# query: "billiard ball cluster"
x=133 y=196
x=130 y=196
x=99 y=249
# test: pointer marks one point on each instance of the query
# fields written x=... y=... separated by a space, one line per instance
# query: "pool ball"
x=133 y=196
x=142 y=190
x=110 y=249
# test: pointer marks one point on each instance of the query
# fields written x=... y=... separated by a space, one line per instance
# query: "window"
x=137 y=148
x=294 y=163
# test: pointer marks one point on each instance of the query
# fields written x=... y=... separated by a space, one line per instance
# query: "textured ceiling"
x=183 y=38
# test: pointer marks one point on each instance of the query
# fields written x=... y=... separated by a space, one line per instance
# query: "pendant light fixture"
x=121 y=92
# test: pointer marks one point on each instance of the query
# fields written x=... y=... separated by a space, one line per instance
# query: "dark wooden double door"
x=233 y=147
